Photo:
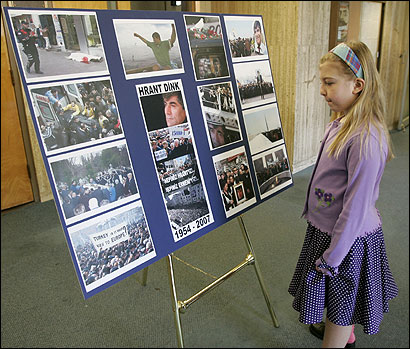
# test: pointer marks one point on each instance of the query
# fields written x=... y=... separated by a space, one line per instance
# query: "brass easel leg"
x=175 y=305
x=258 y=273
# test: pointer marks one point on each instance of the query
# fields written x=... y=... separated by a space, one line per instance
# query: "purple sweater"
x=342 y=194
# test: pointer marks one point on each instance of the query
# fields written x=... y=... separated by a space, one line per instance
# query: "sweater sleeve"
x=364 y=175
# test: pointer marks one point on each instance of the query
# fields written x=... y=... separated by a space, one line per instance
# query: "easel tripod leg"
x=258 y=272
x=175 y=304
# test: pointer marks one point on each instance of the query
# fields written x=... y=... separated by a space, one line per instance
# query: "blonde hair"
x=368 y=109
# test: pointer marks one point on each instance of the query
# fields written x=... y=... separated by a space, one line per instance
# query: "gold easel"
x=181 y=306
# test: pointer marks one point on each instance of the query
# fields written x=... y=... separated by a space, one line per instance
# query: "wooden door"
x=15 y=181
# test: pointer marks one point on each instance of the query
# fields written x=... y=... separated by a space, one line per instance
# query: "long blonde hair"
x=368 y=109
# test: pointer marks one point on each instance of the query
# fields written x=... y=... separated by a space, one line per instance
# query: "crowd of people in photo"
x=229 y=179
x=272 y=170
x=181 y=216
x=242 y=47
x=92 y=118
x=218 y=97
x=95 y=264
x=255 y=89
x=89 y=193
x=166 y=147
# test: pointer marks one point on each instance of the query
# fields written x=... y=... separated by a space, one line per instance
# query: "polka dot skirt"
x=358 y=294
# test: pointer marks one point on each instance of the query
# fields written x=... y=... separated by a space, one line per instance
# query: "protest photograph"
x=55 y=45
x=220 y=114
x=246 y=37
x=235 y=181
x=263 y=127
x=185 y=197
x=207 y=47
x=171 y=142
x=111 y=244
x=148 y=47
x=163 y=104
x=75 y=114
x=272 y=170
x=93 y=180
x=255 y=83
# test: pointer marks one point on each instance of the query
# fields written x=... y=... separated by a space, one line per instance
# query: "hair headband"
x=348 y=56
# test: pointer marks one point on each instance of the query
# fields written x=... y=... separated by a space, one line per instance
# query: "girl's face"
x=338 y=89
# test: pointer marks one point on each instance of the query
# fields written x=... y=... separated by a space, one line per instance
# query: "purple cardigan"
x=342 y=194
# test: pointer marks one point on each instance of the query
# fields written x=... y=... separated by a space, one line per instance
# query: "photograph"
x=75 y=114
x=263 y=127
x=185 y=197
x=235 y=181
x=163 y=104
x=207 y=47
x=171 y=142
x=246 y=37
x=148 y=47
x=272 y=171
x=93 y=180
x=220 y=114
x=255 y=83
x=111 y=244
x=54 y=45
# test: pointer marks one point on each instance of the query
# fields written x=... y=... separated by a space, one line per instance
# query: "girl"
x=343 y=264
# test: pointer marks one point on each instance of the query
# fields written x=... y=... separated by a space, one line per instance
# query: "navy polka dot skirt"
x=358 y=294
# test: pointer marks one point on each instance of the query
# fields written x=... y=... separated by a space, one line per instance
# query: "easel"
x=181 y=306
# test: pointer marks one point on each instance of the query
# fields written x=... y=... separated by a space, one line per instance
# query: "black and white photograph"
x=246 y=37
x=220 y=114
x=76 y=114
x=272 y=170
x=93 y=180
x=185 y=197
x=255 y=83
x=206 y=43
x=172 y=142
x=111 y=244
x=55 y=45
x=263 y=127
x=163 y=104
x=148 y=47
x=235 y=181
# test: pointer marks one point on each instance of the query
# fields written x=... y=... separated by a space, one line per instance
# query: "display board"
x=155 y=128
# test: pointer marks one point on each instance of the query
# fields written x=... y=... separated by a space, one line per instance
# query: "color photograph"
x=263 y=127
x=246 y=37
x=76 y=114
x=220 y=114
x=207 y=47
x=148 y=47
x=55 y=45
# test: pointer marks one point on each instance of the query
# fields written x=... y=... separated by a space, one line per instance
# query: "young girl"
x=343 y=264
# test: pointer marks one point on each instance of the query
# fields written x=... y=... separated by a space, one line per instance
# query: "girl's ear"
x=358 y=85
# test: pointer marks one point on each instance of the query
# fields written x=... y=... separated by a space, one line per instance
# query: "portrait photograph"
x=255 y=83
x=54 y=45
x=246 y=37
x=220 y=114
x=207 y=47
x=148 y=47
x=75 y=114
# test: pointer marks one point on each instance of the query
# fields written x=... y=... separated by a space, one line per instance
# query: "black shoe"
x=39 y=72
x=318 y=330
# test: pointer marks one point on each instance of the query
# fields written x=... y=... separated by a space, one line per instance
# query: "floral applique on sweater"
x=324 y=199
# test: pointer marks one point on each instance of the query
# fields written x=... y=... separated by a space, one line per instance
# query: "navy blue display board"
x=155 y=128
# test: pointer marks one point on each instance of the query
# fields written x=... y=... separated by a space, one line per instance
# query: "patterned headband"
x=348 y=56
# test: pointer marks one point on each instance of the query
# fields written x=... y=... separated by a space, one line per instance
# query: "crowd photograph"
x=235 y=181
x=272 y=170
x=76 y=114
x=255 y=83
x=112 y=244
x=89 y=182
x=246 y=38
